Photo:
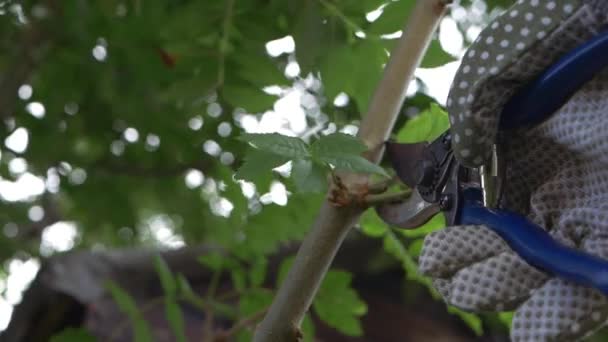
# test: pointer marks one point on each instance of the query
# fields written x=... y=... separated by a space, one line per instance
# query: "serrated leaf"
x=426 y=126
x=436 y=56
x=308 y=176
x=353 y=163
x=258 y=166
x=281 y=145
x=247 y=96
x=127 y=304
x=174 y=315
x=337 y=143
x=393 y=17
x=74 y=335
x=338 y=305
x=166 y=277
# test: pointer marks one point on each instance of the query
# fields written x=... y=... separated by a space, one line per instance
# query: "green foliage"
x=173 y=312
x=426 y=126
x=177 y=73
x=436 y=56
x=128 y=305
x=73 y=335
x=393 y=17
x=338 y=305
x=310 y=162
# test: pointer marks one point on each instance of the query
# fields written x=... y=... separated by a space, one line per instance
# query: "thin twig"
x=373 y=200
x=236 y=327
x=224 y=42
x=209 y=314
x=336 y=12
x=292 y=301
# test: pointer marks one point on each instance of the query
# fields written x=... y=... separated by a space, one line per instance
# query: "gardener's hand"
x=557 y=173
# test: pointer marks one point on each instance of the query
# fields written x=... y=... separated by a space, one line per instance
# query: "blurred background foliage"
x=119 y=123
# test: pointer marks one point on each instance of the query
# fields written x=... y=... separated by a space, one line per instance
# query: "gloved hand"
x=557 y=173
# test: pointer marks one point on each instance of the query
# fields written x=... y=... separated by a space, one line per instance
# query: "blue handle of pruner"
x=553 y=88
x=531 y=105
x=534 y=245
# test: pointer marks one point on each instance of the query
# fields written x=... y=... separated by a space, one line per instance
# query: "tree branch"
x=316 y=253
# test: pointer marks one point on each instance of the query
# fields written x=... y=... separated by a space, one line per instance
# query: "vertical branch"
x=316 y=253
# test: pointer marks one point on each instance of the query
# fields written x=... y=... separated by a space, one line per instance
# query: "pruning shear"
x=470 y=196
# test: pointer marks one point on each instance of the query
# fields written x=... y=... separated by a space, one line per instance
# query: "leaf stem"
x=209 y=317
x=223 y=46
x=373 y=200
x=336 y=12
x=245 y=322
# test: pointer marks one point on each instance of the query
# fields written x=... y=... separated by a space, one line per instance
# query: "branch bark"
x=316 y=253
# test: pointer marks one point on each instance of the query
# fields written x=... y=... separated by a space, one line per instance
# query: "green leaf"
x=338 y=305
x=372 y=225
x=394 y=247
x=173 y=312
x=73 y=335
x=257 y=272
x=415 y=247
x=471 y=320
x=309 y=176
x=353 y=163
x=436 y=56
x=335 y=144
x=254 y=300
x=250 y=97
x=281 y=145
x=127 y=304
x=166 y=277
x=310 y=35
x=426 y=126
x=337 y=71
x=214 y=261
x=258 y=166
x=185 y=291
x=239 y=279
x=370 y=59
x=308 y=329
x=506 y=318
x=284 y=270
x=258 y=68
x=434 y=224
x=393 y=17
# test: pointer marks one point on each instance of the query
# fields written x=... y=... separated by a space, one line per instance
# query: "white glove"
x=557 y=173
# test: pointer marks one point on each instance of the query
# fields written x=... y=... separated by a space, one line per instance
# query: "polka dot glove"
x=557 y=174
